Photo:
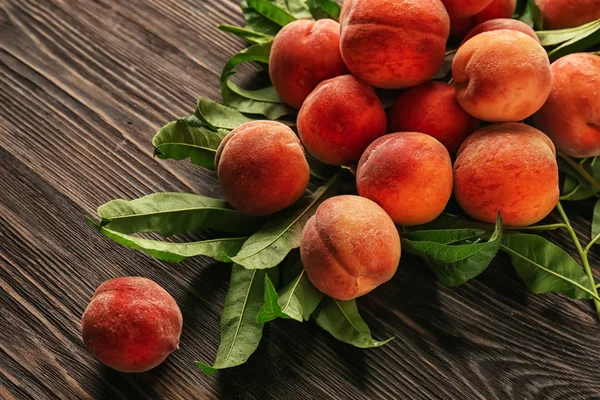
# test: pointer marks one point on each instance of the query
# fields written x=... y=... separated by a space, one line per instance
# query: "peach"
x=131 y=324
x=262 y=167
x=340 y=119
x=496 y=9
x=349 y=247
x=501 y=23
x=508 y=167
x=571 y=115
x=465 y=8
x=408 y=174
x=432 y=108
x=562 y=14
x=304 y=54
x=394 y=43
x=501 y=76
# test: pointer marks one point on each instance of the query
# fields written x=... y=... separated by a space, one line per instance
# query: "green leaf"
x=217 y=249
x=576 y=187
x=188 y=138
x=248 y=35
x=343 y=321
x=453 y=262
x=545 y=267
x=586 y=40
x=299 y=299
x=264 y=101
x=219 y=116
x=256 y=22
x=554 y=37
x=596 y=220
x=298 y=8
x=272 y=12
x=270 y=309
x=322 y=9
x=240 y=331
x=282 y=232
x=532 y=15
x=174 y=213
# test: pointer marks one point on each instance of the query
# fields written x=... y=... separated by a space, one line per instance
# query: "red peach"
x=465 y=8
x=131 y=324
x=304 y=54
x=262 y=167
x=394 y=43
x=571 y=115
x=501 y=76
x=349 y=247
x=496 y=9
x=432 y=108
x=501 y=23
x=511 y=168
x=408 y=174
x=562 y=14
x=340 y=119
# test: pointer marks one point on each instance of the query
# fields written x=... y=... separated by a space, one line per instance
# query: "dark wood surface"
x=84 y=85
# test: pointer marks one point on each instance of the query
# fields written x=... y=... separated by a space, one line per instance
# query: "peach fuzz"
x=465 y=8
x=571 y=115
x=562 y=14
x=349 y=247
x=394 y=44
x=131 y=324
x=432 y=108
x=262 y=167
x=340 y=119
x=304 y=54
x=501 y=23
x=496 y=9
x=408 y=174
x=501 y=76
x=508 y=167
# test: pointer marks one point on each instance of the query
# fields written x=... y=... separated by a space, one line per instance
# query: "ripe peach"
x=561 y=14
x=131 y=324
x=571 y=115
x=262 y=167
x=431 y=108
x=465 y=8
x=511 y=168
x=340 y=119
x=304 y=54
x=408 y=174
x=501 y=23
x=394 y=44
x=496 y=9
x=501 y=76
x=349 y=247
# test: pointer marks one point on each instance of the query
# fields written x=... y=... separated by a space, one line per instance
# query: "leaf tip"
x=207 y=369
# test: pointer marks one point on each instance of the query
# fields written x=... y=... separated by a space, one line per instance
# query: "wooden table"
x=84 y=85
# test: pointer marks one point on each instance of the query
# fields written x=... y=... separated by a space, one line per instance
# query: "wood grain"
x=84 y=85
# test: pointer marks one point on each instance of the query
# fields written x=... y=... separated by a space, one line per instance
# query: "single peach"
x=131 y=324
x=340 y=119
x=465 y=8
x=408 y=174
x=502 y=23
x=501 y=75
x=496 y=9
x=562 y=14
x=349 y=247
x=571 y=115
x=304 y=54
x=394 y=44
x=262 y=167
x=432 y=108
x=508 y=167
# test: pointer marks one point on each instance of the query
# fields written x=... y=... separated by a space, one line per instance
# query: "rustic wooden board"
x=83 y=87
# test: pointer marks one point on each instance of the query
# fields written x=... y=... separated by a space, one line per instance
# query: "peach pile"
x=131 y=324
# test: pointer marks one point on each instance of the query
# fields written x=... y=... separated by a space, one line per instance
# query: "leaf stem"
x=583 y=255
x=579 y=168
x=548 y=227
x=590 y=244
